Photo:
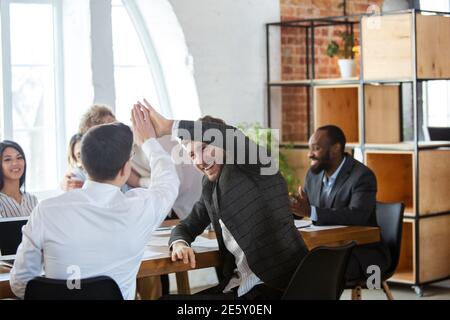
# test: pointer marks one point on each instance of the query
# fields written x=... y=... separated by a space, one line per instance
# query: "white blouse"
x=10 y=208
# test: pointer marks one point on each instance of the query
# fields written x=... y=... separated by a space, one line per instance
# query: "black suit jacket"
x=352 y=201
x=254 y=208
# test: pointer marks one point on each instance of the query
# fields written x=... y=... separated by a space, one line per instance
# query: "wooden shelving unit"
x=395 y=178
x=389 y=47
x=382 y=105
x=338 y=104
x=399 y=52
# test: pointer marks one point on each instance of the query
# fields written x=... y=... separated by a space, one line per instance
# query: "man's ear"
x=336 y=149
x=123 y=171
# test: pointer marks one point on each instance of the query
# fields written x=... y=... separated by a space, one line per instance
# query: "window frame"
x=7 y=131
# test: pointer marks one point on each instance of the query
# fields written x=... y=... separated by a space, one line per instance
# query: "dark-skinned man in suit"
x=340 y=190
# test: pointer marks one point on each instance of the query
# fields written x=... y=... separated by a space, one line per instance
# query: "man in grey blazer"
x=249 y=210
x=340 y=190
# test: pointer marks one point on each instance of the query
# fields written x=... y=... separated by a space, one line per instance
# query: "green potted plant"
x=264 y=137
x=344 y=53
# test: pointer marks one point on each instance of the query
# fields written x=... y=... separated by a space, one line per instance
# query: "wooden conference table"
x=160 y=263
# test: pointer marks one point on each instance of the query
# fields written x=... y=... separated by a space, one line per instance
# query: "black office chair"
x=320 y=275
x=97 y=288
x=439 y=133
x=390 y=221
x=11 y=234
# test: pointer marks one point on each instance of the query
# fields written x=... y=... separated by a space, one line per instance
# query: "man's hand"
x=162 y=125
x=300 y=204
x=180 y=251
x=142 y=125
x=69 y=183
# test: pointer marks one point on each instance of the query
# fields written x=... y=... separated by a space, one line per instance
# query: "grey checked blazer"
x=255 y=209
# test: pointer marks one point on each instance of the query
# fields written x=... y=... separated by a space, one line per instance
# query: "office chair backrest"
x=97 y=288
x=390 y=221
x=439 y=133
x=11 y=234
x=320 y=275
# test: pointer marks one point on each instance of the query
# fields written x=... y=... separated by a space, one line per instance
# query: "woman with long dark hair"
x=14 y=201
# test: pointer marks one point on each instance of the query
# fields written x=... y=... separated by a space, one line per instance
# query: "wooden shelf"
x=315 y=82
x=396 y=176
x=434 y=248
x=336 y=81
x=382 y=110
x=388 y=46
x=407 y=146
x=406 y=267
x=305 y=145
x=403 y=276
x=338 y=105
x=282 y=83
x=409 y=212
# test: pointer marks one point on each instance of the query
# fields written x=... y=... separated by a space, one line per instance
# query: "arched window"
x=151 y=59
x=49 y=75
x=133 y=77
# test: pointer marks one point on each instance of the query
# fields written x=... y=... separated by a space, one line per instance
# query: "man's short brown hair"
x=211 y=119
x=95 y=116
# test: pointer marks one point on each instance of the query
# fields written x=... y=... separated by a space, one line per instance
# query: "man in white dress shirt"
x=98 y=230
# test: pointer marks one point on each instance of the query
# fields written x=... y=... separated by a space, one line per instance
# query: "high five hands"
x=142 y=125
x=161 y=125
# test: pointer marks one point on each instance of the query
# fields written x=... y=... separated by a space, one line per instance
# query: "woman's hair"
x=95 y=116
x=11 y=144
x=71 y=156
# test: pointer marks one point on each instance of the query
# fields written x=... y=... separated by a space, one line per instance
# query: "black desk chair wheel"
x=320 y=275
x=97 y=288
x=390 y=221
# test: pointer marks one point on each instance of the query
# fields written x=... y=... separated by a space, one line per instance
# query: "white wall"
x=227 y=41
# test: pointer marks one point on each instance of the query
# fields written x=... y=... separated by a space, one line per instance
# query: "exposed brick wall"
x=293 y=56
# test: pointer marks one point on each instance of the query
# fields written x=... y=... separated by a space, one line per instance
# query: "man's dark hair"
x=212 y=119
x=105 y=149
x=335 y=135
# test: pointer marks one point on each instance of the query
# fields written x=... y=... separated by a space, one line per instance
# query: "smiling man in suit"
x=340 y=190
x=247 y=204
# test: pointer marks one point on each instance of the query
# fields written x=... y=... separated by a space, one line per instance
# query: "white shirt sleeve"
x=29 y=257
x=175 y=125
x=162 y=191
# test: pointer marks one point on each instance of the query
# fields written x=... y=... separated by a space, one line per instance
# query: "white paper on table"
x=318 y=228
x=8 y=257
x=159 y=241
x=162 y=232
x=302 y=223
x=4 y=276
x=205 y=243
